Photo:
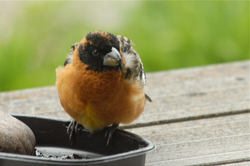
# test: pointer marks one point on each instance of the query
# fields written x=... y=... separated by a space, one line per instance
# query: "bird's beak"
x=112 y=58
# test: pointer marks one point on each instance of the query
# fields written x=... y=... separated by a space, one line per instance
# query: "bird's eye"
x=95 y=52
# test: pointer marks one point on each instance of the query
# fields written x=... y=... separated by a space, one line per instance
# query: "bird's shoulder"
x=69 y=58
x=134 y=65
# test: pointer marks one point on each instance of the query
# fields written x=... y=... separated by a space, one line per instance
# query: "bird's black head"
x=100 y=50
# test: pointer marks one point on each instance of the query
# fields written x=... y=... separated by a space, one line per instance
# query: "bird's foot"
x=110 y=133
x=72 y=129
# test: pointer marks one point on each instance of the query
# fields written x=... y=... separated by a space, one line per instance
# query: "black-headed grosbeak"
x=101 y=83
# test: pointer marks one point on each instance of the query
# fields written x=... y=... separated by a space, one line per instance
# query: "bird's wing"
x=135 y=70
x=70 y=55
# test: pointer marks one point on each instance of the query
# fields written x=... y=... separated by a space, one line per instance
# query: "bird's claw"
x=72 y=130
x=109 y=133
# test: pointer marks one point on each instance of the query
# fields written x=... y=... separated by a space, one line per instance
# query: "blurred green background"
x=35 y=37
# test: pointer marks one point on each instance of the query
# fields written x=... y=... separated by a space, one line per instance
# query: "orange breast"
x=97 y=100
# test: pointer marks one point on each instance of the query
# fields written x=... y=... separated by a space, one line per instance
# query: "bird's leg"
x=72 y=129
x=110 y=132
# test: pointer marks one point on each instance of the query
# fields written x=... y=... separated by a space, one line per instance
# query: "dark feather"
x=135 y=70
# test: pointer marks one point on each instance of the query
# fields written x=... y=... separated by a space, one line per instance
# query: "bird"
x=102 y=83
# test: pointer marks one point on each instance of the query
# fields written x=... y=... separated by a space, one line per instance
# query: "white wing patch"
x=135 y=64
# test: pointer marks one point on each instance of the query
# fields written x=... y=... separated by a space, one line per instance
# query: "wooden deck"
x=199 y=116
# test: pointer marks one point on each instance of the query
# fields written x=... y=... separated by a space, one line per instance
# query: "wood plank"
x=198 y=79
x=37 y=101
x=197 y=91
x=227 y=159
x=215 y=140
x=212 y=103
x=247 y=163
x=177 y=95
x=198 y=115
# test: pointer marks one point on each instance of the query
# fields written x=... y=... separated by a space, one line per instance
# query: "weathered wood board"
x=214 y=140
x=199 y=116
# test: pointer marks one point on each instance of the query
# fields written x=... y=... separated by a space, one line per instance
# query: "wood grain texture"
x=197 y=91
x=216 y=140
x=199 y=116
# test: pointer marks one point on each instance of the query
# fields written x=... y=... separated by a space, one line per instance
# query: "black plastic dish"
x=51 y=136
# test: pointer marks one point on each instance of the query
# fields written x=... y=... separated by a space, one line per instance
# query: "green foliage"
x=168 y=35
